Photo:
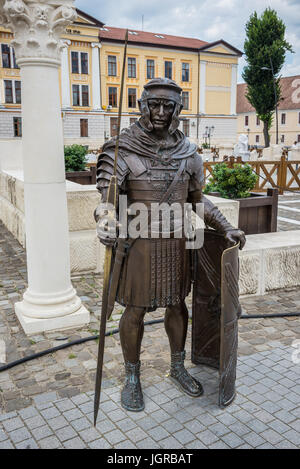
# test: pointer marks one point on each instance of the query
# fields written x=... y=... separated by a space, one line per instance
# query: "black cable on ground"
x=116 y=331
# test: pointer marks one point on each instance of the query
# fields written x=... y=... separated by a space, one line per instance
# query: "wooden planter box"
x=82 y=177
x=258 y=213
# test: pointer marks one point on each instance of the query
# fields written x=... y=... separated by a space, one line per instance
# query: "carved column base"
x=50 y=317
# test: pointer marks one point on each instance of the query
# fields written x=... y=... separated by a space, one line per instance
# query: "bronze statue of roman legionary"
x=156 y=272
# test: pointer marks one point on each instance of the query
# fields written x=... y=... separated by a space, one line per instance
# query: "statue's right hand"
x=107 y=224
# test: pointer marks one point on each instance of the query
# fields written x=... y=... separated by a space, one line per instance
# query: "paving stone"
x=136 y=434
x=28 y=412
x=21 y=434
x=158 y=433
x=293 y=437
x=207 y=437
x=50 y=413
x=115 y=436
x=90 y=434
x=184 y=436
x=64 y=405
x=27 y=444
x=35 y=422
x=254 y=439
x=148 y=443
x=45 y=398
x=57 y=423
x=6 y=445
x=12 y=424
x=80 y=424
x=74 y=443
x=41 y=432
x=66 y=433
x=232 y=440
x=101 y=443
x=50 y=443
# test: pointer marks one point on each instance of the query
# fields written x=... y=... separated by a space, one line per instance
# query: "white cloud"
x=205 y=19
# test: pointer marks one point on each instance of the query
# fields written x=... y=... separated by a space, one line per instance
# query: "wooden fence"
x=83 y=177
x=282 y=174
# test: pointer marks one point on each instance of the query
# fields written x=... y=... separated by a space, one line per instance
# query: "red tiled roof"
x=290 y=92
x=142 y=37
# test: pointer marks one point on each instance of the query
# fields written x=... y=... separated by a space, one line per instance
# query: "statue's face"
x=161 y=110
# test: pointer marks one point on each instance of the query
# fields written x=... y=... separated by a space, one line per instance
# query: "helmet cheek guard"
x=175 y=118
x=145 y=119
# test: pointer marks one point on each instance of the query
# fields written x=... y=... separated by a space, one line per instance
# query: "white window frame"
x=80 y=94
x=79 y=62
x=10 y=53
x=281 y=114
x=13 y=91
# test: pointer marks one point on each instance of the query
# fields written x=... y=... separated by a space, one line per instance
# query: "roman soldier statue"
x=156 y=163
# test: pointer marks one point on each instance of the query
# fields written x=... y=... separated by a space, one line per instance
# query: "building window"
x=6 y=57
x=150 y=69
x=18 y=91
x=186 y=127
x=168 y=69
x=8 y=87
x=112 y=65
x=299 y=118
x=84 y=63
x=132 y=97
x=80 y=62
x=85 y=95
x=283 y=119
x=257 y=138
x=185 y=100
x=75 y=62
x=298 y=138
x=12 y=91
x=17 y=126
x=282 y=139
x=131 y=67
x=246 y=120
x=76 y=95
x=80 y=95
x=257 y=121
x=185 y=72
x=112 y=96
x=84 y=128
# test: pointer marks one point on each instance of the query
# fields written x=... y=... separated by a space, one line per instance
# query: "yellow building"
x=288 y=115
x=91 y=76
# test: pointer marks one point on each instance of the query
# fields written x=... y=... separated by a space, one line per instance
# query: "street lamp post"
x=275 y=96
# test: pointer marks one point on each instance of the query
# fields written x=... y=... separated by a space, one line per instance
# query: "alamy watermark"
x=153 y=220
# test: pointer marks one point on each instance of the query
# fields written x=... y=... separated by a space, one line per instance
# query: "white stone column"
x=50 y=301
x=65 y=77
x=96 y=76
x=202 y=86
x=233 y=89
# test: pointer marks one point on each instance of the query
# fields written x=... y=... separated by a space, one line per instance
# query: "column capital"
x=37 y=27
x=96 y=44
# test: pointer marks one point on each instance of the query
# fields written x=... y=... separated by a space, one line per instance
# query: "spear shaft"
x=112 y=199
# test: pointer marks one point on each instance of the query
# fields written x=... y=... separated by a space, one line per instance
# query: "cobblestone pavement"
x=36 y=397
x=265 y=413
x=289 y=212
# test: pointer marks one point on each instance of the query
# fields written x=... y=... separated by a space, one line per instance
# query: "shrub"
x=75 y=158
x=232 y=183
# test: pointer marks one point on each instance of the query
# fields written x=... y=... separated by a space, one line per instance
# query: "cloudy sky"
x=208 y=20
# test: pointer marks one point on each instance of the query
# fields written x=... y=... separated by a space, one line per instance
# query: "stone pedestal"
x=50 y=301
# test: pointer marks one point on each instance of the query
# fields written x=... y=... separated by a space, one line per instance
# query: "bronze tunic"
x=156 y=272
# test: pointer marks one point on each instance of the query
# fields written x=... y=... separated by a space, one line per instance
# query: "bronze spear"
x=111 y=199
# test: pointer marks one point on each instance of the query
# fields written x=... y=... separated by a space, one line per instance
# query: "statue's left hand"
x=234 y=236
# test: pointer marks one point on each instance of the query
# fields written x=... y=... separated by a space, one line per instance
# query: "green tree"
x=75 y=159
x=265 y=49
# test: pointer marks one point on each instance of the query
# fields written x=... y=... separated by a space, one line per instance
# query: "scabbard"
x=120 y=254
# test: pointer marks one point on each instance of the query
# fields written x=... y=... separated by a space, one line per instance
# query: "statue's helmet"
x=160 y=88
